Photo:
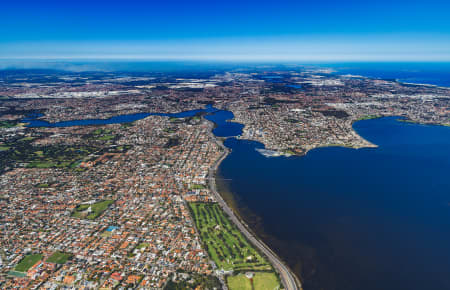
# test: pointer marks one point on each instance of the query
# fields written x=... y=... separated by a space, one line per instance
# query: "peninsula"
x=122 y=192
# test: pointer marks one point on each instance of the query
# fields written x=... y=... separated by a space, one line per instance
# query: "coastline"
x=288 y=278
x=273 y=152
x=246 y=187
x=425 y=124
x=404 y=119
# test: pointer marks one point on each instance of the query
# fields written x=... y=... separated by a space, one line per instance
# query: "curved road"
x=288 y=279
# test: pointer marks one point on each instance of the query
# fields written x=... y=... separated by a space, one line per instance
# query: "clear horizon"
x=227 y=31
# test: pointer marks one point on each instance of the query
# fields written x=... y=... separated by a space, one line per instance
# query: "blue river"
x=33 y=120
x=374 y=218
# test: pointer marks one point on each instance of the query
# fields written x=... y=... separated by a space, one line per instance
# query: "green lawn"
x=265 y=281
x=197 y=186
x=261 y=281
x=239 y=282
x=289 y=152
x=225 y=244
x=4 y=148
x=102 y=134
x=26 y=138
x=27 y=262
x=96 y=209
x=143 y=245
x=106 y=137
x=101 y=131
x=59 y=257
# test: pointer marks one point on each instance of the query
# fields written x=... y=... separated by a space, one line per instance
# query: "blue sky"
x=252 y=30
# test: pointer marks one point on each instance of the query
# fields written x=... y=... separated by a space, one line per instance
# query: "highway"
x=288 y=279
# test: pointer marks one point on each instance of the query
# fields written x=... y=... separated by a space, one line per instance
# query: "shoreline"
x=288 y=278
x=276 y=153
x=269 y=152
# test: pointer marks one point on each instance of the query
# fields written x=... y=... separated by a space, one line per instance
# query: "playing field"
x=27 y=262
x=261 y=281
x=265 y=281
x=97 y=209
x=239 y=282
x=58 y=257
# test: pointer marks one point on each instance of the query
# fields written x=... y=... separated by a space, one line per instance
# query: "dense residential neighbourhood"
x=140 y=238
x=129 y=205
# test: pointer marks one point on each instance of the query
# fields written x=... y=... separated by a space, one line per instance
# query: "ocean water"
x=420 y=73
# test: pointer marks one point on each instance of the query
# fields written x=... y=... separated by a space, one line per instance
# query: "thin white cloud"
x=289 y=48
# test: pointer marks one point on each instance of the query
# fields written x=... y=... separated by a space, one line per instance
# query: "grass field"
x=142 y=245
x=102 y=134
x=261 y=281
x=96 y=209
x=225 y=244
x=59 y=257
x=101 y=131
x=29 y=138
x=197 y=186
x=4 y=148
x=239 y=282
x=106 y=137
x=265 y=281
x=27 y=262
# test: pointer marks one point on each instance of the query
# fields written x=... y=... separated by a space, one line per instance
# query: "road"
x=289 y=280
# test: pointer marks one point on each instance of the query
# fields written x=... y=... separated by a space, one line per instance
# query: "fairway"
x=225 y=244
x=102 y=134
x=27 y=262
